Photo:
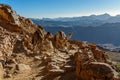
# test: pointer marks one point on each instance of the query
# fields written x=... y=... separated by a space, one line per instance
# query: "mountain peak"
x=106 y=14
x=102 y=16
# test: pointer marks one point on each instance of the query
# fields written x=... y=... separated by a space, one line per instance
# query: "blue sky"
x=63 y=8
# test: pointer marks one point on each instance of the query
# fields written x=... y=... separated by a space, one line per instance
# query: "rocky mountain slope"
x=28 y=52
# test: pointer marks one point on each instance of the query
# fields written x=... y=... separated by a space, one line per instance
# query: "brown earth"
x=28 y=52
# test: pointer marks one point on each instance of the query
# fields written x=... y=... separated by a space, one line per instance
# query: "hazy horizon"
x=73 y=16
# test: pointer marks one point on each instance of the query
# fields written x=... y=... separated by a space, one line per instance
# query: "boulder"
x=23 y=68
x=102 y=71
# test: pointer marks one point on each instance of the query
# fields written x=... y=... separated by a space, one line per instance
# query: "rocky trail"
x=28 y=52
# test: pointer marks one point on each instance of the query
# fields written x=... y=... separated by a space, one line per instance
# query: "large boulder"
x=102 y=71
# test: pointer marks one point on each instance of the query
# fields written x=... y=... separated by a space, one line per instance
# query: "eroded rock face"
x=6 y=42
x=8 y=15
x=23 y=44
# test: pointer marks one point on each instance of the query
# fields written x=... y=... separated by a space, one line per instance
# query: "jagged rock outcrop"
x=25 y=46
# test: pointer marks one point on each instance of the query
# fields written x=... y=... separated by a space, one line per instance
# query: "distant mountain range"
x=84 y=21
x=101 y=29
x=110 y=47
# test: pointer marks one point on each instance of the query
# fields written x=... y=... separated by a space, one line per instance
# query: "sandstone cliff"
x=28 y=52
